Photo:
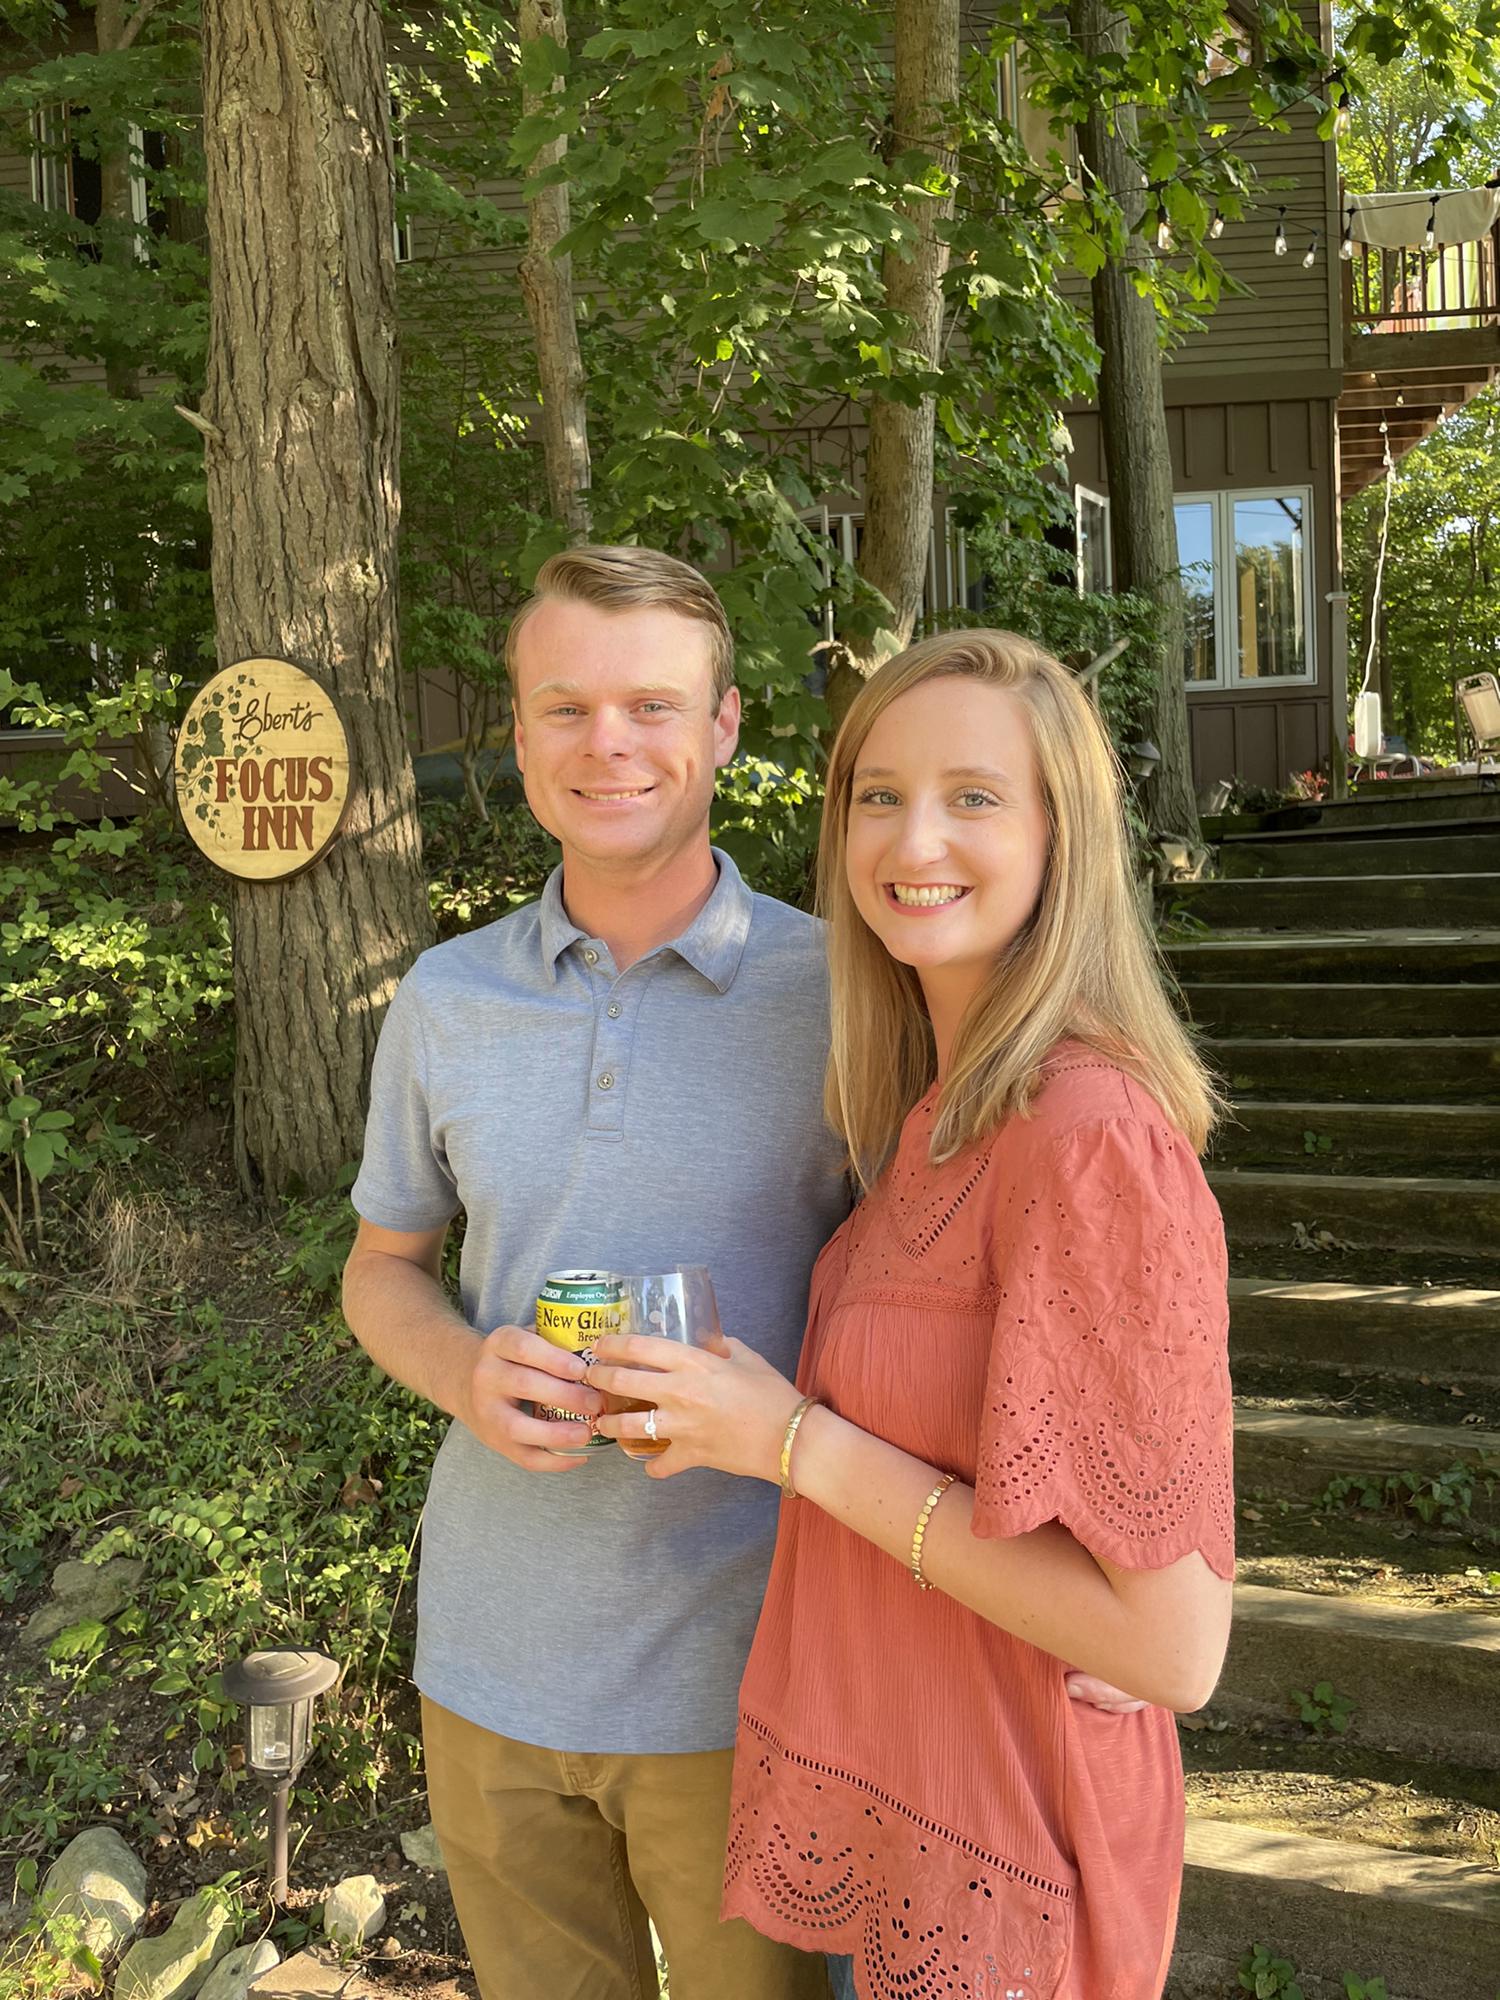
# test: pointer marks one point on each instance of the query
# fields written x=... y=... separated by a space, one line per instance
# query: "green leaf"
x=40 y=1153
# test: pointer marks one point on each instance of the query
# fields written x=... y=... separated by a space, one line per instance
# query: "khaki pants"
x=554 y=1860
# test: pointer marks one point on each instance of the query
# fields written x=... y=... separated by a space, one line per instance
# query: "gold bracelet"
x=793 y=1425
x=919 y=1532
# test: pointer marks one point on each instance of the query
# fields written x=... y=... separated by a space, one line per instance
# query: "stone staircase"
x=1347 y=987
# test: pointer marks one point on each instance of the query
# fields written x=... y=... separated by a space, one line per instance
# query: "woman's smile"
x=919 y=898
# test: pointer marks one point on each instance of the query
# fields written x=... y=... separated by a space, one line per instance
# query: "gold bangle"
x=919 y=1532
x=793 y=1425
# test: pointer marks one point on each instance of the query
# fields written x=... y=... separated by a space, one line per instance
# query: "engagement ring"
x=651 y=1425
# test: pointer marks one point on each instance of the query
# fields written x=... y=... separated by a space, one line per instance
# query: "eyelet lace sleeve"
x=1107 y=1402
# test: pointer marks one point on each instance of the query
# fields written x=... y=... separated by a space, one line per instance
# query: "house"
x=1280 y=410
x=1313 y=366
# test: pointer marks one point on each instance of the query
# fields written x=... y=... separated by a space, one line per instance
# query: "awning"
x=1400 y=221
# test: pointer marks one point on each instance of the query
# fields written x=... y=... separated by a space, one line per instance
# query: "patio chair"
x=1479 y=698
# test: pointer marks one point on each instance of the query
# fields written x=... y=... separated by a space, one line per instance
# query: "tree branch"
x=136 y=22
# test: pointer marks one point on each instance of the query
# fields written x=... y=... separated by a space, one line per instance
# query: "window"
x=1008 y=88
x=1195 y=553
x=400 y=230
x=949 y=584
x=1246 y=572
x=1091 y=527
x=66 y=177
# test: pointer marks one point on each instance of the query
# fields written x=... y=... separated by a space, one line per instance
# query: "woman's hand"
x=723 y=1406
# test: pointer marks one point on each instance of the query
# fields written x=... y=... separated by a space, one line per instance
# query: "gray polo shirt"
x=585 y=1118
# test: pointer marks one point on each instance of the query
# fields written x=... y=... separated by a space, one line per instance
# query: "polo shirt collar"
x=713 y=943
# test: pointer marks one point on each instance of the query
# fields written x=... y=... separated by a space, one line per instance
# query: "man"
x=626 y=1075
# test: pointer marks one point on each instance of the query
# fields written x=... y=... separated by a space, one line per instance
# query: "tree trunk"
x=547 y=283
x=899 y=458
x=1133 y=419
x=303 y=497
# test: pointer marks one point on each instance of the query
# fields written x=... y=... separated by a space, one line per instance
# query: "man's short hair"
x=625 y=578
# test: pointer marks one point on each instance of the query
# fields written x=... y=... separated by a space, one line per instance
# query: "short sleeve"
x=404 y=1180
x=1107 y=1399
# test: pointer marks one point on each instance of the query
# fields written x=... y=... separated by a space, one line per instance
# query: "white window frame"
x=1100 y=500
x=51 y=159
x=400 y=231
x=1222 y=502
x=52 y=170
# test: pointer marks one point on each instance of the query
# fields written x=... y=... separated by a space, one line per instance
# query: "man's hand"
x=514 y=1367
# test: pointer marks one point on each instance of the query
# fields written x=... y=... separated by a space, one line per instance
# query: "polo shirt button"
x=614 y=1010
x=591 y=957
x=607 y=1081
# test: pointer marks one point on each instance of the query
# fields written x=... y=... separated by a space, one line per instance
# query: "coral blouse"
x=1044 y=1315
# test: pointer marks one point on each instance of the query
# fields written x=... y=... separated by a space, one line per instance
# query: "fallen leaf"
x=68 y=1485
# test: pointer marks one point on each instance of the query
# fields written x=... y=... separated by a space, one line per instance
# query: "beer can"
x=573 y=1310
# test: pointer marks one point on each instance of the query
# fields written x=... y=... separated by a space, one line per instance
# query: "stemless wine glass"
x=677 y=1304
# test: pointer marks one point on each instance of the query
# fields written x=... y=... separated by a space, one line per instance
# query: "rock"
x=354 y=1911
x=391 y=1947
x=174 y=1965
x=312 y=1975
x=99 y=1878
x=83 y=1590
x=231 y=1977
x=422 y=1848
x=1180 y=860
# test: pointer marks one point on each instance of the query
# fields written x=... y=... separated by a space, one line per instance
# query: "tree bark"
x=547 y=284
x=1133 y=418
x=304 y=499
x=899 y=458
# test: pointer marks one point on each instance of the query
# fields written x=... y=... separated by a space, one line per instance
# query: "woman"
x=1008 y=1449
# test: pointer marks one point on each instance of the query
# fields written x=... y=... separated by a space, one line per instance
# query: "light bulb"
x=1310 y=255
x=1216 y=227
x=1279 y=246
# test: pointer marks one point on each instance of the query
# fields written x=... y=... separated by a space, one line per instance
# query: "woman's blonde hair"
x=1083 y=966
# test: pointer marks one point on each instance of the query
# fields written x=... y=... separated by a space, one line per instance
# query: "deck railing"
x=1417 y=291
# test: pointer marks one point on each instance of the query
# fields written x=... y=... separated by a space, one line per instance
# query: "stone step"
x=1451 y=1332
x=1422 y=1680
x=1311 y=1137
x=1322 y=957
x=1429 y=1926
x=1294 y=1455
x=1373 y=1069
x=1454 y=1218
x=1377 y=902
x=1361 y=1007
x=1461 y=803
x=1445 y=853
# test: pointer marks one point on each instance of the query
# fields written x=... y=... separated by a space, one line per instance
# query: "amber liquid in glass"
x=634 y=1447
x=679 y=1304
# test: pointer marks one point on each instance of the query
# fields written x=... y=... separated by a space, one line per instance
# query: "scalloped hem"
x=1124 y=1551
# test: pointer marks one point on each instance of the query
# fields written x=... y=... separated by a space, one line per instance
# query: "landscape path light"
x=277 y=1687
x=1143 y=758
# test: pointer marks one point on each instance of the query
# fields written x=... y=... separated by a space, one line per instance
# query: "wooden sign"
x=262 y=769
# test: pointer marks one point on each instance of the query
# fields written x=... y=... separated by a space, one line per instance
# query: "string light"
x=1165 y=241
x=1346 y=242
x=1280 y=245
x=1216 y=227
x=1430 y=237
x=1310 y=255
